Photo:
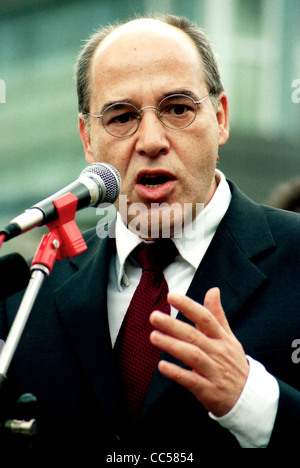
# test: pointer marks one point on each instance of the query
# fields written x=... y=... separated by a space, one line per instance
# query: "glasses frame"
x=159 y=116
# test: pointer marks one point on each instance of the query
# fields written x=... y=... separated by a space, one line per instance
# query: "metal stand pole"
x=38 y=275
x=64 y=240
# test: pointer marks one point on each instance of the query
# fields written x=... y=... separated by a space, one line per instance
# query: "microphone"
x=14 y=275
x=97 y=183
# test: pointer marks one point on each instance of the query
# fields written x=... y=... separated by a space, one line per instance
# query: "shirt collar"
x=191 y=244
x=126 y=241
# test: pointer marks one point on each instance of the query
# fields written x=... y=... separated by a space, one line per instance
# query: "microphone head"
x=109 y=176
x=14 y=274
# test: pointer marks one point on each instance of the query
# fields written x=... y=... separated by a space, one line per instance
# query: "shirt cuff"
x=252 y=418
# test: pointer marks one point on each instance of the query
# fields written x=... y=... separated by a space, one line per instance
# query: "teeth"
x=152 y=186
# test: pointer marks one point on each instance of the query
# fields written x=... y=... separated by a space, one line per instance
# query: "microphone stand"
x=64 y=240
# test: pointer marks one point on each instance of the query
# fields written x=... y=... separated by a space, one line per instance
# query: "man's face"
x=141 y=65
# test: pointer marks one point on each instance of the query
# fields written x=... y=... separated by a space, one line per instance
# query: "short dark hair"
x=211 y=72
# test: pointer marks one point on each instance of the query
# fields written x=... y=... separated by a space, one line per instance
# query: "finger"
x=184 y=377
x=177 y=328
x=196 y=313
x=193 y=356
x=211 y=395
x=212 y=302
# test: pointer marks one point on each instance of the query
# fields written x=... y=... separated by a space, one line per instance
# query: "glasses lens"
x=121 y=119
x=177 y=111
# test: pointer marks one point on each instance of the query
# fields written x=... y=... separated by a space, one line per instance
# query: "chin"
x=157 y=222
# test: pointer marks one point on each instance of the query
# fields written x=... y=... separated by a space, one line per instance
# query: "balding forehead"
x=143 y=26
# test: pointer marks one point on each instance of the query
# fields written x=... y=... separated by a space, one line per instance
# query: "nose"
x=151 y=136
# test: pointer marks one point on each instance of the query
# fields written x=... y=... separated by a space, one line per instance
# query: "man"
x=152 y=104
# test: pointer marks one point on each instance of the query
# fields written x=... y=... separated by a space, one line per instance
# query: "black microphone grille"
x=110 y=176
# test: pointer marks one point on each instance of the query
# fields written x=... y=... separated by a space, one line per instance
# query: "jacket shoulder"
x=283 y=221
x=246 y=209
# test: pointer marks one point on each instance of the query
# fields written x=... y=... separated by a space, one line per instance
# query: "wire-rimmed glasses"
x=176 y=111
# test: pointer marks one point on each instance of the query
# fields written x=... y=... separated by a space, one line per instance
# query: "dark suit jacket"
x=65 y=356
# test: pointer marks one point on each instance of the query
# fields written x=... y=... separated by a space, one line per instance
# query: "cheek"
x=202 y=153
x=96 y=147
x=199 y=165
x=120 y=160
x=110 y=151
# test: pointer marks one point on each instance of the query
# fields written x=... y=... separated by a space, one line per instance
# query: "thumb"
x=212 y=302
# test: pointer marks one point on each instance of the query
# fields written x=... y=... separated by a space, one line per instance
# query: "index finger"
x=197 y=313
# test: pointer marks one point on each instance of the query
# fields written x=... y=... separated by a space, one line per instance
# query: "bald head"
x=142 y=27
x=187 y=33
x=139 y=43
x=133 y=34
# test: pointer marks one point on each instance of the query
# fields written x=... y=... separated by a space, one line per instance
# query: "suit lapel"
x=86 y=320
x=229 y=264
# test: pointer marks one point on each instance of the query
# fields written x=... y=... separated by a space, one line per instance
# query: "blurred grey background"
x=257 y=43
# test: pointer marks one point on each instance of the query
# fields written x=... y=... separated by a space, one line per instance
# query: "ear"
x=222 y=118
x=86 y=139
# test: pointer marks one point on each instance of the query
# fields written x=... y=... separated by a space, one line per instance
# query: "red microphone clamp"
x=64 y=238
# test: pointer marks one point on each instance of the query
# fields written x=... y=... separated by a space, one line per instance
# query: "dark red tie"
x=136 y=356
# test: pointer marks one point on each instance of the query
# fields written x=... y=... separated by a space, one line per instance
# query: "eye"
x=123 y=118
x=178 y=109
x=176 y=106
x=120 y=114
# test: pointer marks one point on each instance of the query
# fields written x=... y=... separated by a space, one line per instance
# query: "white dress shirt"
x=259 y=399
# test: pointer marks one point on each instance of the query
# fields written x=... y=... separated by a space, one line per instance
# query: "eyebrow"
x=186 y=92
x=119 y=101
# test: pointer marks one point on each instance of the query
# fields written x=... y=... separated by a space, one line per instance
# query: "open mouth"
x=155 y=184
x=154 y=181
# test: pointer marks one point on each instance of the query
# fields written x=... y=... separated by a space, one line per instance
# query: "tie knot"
x=157 y=255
